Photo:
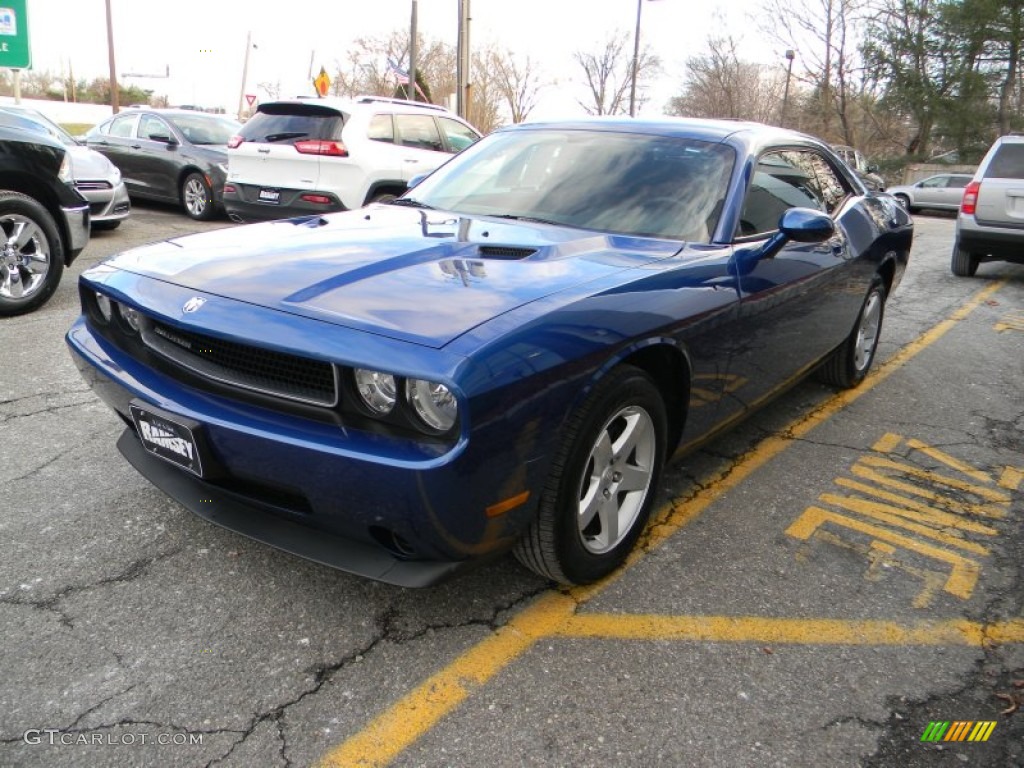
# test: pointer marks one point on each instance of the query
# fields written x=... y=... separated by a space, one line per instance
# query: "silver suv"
x=306 y=156
x=990 y=225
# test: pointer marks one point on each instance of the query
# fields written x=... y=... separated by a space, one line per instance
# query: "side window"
x=122 y=127
x=782 y=180
x=459 y=136
x=419 y=131
x=153 y=126
x=934 y=182
x=381 y=129
x=958 y=182
x=831 y=189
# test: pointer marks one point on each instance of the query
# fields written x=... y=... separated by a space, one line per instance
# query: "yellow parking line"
x=757 y=629
x=398 y=727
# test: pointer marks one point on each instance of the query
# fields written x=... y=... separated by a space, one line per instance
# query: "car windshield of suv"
x=652 y=186
x=206 y=129
x=1008 y=162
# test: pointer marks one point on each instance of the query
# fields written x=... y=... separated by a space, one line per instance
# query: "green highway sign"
x=15 y=52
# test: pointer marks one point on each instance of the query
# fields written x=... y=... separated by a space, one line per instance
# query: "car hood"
x=89 y=165
x=420 y=276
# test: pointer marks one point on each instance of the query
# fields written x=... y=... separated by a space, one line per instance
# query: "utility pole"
x=636 y=61
x=790 y=54
x=412 y=54
x=245 y=72
x=113 y=68
x=462 y=64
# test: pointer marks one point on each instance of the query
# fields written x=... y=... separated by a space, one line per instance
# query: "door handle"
x=136 y=146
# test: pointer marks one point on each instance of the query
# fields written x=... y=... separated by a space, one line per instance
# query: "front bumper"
x=109 y=204
x=267 y=525
x=76 y=223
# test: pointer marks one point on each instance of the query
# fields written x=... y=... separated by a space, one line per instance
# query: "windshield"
x=39 y=123
x=206 y=129
x=624 y=183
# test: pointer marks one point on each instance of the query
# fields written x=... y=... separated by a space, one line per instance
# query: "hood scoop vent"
x=505 y=252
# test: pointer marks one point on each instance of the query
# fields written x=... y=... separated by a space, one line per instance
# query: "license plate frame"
x=269 y=196
x=170 y=437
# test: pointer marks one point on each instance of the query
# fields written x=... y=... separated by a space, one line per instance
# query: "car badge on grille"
x=193 y=304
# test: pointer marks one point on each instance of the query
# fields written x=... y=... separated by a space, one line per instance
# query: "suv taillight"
x=970 y=202
x=235 y=141
x=319 y=147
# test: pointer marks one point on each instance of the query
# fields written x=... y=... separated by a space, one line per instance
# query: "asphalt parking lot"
x=819 y=586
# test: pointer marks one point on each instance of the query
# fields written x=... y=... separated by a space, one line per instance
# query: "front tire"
x=31 y=254
x=964 y=263
x=904 y=201
x=603 y=482
x=848 y=365
x=197 y=197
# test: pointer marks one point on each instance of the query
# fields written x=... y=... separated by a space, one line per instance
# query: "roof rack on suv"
x=404 y=102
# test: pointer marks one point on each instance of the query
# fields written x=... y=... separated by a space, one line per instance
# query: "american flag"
x=400 y=74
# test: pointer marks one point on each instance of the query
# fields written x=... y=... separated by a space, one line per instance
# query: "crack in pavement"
x=10 y=419
x=135 y=570
x=324 y=673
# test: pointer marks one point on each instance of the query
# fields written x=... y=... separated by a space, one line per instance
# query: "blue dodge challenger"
x=502 y=359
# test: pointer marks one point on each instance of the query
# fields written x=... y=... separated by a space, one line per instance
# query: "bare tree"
x=719 y=84
x=516 y=80
x=822 y=31
x=608 y=72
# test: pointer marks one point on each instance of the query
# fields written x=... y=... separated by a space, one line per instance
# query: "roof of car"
x=379 y=103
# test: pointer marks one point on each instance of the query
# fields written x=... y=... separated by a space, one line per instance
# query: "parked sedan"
x=177 y=156
x=503 y=358
x=96 y=178
x=942 y=192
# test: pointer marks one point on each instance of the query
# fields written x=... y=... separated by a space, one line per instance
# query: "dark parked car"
x=44 y=221
x=501 y=359
x=175 y=156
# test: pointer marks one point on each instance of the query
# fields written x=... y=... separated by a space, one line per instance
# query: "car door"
x=801 y=302
x=421 y=147
x=114 y=139
x=953 y=192
x=931 y=192
x=158 y=157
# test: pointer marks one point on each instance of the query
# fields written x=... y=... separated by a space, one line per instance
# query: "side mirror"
x=872 y=169
x=805 y=225
x=163 y=138
x=416 y=180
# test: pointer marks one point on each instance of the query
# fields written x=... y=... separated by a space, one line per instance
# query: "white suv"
x=306 y=156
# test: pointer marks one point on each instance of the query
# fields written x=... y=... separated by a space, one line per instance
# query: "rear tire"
x=964 y=263
x=848 y=365
x=31 y=254
x=603 y=482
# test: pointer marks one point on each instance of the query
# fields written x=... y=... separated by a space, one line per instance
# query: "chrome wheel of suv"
x=31 y=258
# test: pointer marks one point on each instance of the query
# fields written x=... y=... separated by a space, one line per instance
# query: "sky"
x=203 y=42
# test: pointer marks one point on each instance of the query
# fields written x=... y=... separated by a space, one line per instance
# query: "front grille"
x=259 y=370
x=92 y=185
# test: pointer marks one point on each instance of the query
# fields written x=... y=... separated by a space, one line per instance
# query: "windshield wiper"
x=411 y=203
x=272 y=137
x=531 y=219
